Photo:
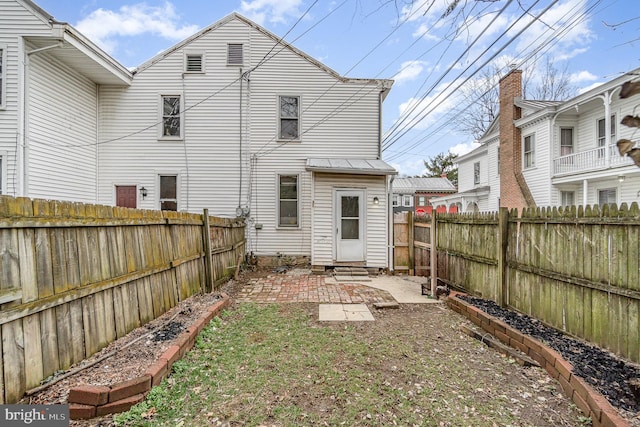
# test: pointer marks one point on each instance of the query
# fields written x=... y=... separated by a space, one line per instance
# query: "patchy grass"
x=275 y=365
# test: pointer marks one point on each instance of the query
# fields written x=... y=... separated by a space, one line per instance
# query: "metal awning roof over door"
x=351 y=166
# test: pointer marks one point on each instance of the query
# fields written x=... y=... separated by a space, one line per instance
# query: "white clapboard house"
x=231 y=119
x=550 y=153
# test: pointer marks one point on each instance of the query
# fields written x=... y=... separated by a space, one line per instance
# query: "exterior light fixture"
x=621 y=178
x=376 y=201
x=143 y=192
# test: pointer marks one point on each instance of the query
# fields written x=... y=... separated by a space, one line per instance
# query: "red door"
x=126 y=196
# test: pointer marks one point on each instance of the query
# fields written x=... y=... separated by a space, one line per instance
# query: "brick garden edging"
x=589 y=401
x=87 y=401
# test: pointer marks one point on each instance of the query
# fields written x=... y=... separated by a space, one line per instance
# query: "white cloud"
x=582 y=76
x=409 y=70
x=273 y=11
x=463 y=148
x=423 y=113
x=410 y=167
x=104 y=26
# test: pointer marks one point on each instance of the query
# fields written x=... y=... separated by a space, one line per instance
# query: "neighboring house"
x=414 y=194
x=550 y=153
x=232 y=119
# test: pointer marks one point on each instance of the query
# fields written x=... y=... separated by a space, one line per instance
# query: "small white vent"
x=234 y=54
x=194 y=64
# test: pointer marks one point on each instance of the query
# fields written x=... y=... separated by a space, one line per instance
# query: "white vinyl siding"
x=61 y=131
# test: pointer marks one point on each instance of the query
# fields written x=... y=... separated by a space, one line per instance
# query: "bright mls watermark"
x=34 y=415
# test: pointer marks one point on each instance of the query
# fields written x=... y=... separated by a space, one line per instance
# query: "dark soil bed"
x=608 y=374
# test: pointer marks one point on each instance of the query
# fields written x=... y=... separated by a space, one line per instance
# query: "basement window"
x=234 y=54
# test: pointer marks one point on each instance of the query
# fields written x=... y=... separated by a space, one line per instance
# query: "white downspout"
x=585 y=192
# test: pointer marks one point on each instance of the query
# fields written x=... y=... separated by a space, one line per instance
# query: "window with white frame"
x=607 y=196
x=529 y=159
x=171 y=117
x=288 y=201
x=289 y=118
x=3 y=80
x=567 y=198
x=194 y=63
x=602 y=137
x=169 y=192
x=566 y=141
x=476 y=173
x=234 y=54
x=396 y=200
x=406 y=200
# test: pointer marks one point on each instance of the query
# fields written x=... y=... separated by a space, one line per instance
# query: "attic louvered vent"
x=194 y=64
x=234 y=54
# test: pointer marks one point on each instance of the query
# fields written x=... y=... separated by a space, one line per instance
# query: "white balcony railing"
x=590 y=160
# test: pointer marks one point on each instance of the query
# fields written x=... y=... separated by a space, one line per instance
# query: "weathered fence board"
x=75 y=277
x=577 y=269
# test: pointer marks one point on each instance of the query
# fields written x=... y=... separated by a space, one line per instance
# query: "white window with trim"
x=529 y=151
x=602 y=136
x=566 y=141
x=168 y=192
x=289 y=118
x=476 y=173
x=194 y=63
x=288 y=198
x=567 y=198
x=172 y=127
x=235 y=54
x=607 y=196
x=396 y=200
x=406 y=200
x=3 y=76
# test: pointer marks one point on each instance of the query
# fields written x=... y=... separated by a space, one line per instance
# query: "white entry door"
x=350 y=225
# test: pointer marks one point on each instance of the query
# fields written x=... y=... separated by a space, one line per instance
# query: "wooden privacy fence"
x=577 y=269
x=75 y=277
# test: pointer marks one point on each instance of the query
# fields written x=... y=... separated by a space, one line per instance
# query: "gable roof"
x=74 y=49
x=385 y=83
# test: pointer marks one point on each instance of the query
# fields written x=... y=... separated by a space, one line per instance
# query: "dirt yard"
x=466 y=378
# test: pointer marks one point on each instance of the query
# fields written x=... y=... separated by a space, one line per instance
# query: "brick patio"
x=296 y=286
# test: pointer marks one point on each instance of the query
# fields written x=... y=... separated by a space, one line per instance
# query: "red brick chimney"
x=514 y=192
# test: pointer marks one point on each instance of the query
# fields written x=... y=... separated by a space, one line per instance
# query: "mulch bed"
x=608 y=374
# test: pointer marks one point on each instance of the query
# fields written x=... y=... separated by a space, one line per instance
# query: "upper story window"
x=194 y=63
x=287 y=200
x=3 y=66
x=602 y=137
x=289 y=118
x=529 y=143
x=476 y=173
x=234 y=54
x=396 y=200
x=566 y=141
x=169 y=192
x=406 y=200
x=171 y=117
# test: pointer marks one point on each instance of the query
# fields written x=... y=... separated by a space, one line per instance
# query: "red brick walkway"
x=292 y=287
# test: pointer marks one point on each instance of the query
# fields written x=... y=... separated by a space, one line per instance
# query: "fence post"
x=410 y=238
x=208 y=264
x=503 y=286
x=433 y=269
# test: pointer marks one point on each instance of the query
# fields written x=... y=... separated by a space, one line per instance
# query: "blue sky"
x=429 y=47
